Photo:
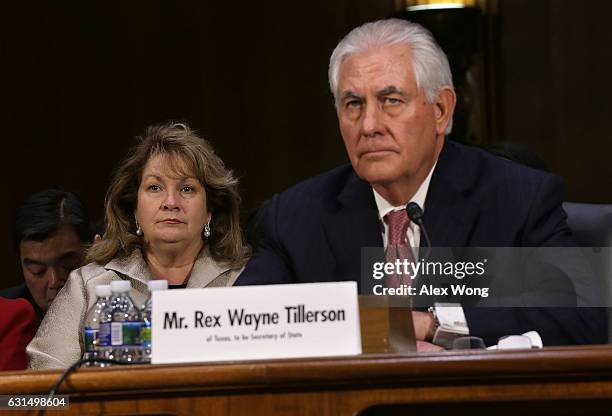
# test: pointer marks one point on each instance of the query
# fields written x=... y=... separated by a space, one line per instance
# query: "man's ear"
x=444 y=108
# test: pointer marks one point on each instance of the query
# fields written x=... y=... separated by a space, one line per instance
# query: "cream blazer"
x=59 y=341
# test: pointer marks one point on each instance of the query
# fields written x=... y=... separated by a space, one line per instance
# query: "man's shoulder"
x=487 y=169
x=331 y=181
x=323 y=189
x=15 y=292
x=474 y=155
x=319 y=196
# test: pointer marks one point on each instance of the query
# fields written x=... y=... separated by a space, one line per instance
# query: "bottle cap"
x=120 y=286
x=103 y=291
x=158 y=285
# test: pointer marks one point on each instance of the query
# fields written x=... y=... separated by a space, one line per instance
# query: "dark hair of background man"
x=42 y=214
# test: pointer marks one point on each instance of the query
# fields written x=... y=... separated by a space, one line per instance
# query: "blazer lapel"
x=351 y=226
x=205 y=270
x=449 y=215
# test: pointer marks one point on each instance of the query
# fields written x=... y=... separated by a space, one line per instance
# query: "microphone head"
x=415 y=213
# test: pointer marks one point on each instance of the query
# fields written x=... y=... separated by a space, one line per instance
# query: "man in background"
x=51 y=231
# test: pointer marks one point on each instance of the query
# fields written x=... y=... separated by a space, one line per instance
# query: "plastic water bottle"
x=93 y=349
x=146 y=318
x=104 y=334
x=122 y=332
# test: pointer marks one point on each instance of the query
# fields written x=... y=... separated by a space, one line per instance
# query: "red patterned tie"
x=397 y=247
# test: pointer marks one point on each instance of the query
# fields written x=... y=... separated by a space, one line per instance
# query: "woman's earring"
x=207 y=230
x=138 y=229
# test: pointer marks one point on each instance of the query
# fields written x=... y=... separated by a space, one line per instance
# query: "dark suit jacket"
x=314 y=232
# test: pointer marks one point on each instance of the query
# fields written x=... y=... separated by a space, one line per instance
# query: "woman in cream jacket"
x=171 y=212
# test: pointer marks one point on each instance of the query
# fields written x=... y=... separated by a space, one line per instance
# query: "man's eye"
x=392 y=101
x=353 y=104
x=37 y=271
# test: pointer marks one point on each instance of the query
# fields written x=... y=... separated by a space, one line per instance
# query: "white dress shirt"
x=413 y=233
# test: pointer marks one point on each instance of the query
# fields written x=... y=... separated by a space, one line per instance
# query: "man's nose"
x=372 y=124
x=57 y=278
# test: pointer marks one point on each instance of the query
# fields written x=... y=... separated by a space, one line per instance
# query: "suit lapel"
x=450 y=215
x=351 y=226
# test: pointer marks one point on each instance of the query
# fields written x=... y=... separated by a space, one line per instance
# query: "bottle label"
x=104 y=336
x=126 y=333
x=91 y=339
x=146 y=334
x=117 y=333
x=131 y=333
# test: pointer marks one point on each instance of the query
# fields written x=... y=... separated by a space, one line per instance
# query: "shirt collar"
x=384 y=207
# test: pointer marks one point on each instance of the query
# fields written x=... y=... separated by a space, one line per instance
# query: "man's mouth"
x=376 y=153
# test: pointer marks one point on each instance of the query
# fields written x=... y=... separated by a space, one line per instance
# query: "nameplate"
x=255 y=322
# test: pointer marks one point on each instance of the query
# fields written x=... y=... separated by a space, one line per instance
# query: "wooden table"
x=560 y=381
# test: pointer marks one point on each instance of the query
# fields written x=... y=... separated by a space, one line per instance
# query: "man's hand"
x=423 y=346
x=424 y=325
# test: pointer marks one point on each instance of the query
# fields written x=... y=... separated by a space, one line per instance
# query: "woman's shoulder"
x=226 y=278
x=207 y=272
x=89 y=272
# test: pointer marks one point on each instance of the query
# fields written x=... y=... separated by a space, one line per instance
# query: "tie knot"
x=398 y=222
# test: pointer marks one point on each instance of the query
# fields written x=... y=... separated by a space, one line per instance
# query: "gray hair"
x=429 y=62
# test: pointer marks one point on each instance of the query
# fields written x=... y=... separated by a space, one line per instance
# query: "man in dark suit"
x=395 y=99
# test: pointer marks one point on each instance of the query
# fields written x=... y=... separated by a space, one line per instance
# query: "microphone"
x=415 y=213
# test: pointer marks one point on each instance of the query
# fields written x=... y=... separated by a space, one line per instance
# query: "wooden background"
x=79 y=79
